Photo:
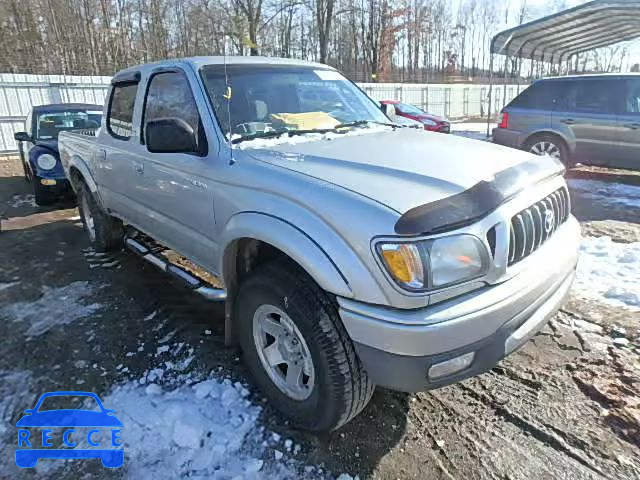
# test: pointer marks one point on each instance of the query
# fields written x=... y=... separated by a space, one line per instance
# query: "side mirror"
x=170 y=135
x=22 y=137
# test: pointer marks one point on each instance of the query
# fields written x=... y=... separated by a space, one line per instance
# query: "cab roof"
x=130 y=73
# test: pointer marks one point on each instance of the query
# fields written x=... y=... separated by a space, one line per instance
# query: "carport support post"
x=504 y=81
x=490 y=92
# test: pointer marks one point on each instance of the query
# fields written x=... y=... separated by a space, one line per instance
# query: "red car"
x=430 y=121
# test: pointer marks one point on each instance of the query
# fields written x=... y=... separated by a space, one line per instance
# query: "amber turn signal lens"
x=403 y=262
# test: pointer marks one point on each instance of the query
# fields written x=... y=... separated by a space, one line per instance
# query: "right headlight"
x=432 y=264
x=46 y=161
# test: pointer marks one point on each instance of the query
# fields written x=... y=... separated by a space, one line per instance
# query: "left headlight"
x=46 y=161
x=431 y=264
x=428 y=122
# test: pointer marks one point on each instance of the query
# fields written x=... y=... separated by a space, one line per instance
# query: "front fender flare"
x=79 y=164
x=292 y=241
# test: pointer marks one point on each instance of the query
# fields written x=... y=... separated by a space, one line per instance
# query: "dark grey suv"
x=590 y=119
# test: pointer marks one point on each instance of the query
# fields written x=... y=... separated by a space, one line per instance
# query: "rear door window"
x=595 y=96
x=120 y=114
x=542 y=95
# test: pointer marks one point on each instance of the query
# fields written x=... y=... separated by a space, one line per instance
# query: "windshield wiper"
x=252 y=136
x=278 y=133
x=291 y=133
x=360 y=123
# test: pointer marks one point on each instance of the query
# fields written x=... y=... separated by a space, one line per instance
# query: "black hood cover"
x=478 y=201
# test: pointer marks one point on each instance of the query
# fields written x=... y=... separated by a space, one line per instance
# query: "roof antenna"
x=227 y=96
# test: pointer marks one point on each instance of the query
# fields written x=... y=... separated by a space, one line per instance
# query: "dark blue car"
x=38 y=145
x=29 y=454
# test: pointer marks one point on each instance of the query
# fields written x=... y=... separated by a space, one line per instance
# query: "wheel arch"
x=79 y=173
x=255 y=236
x=251 y=239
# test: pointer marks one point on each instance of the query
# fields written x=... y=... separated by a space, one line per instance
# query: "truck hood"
x=402 y=169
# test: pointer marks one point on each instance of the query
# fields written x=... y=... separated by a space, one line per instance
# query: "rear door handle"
x=632 y=126
x=568 y=121
x=138 y=167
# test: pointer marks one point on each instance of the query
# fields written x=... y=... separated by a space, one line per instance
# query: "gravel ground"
x=567 y=405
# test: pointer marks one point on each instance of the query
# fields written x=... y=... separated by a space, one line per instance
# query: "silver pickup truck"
x=350 y=252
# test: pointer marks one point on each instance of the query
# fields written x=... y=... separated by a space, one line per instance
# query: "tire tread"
x=353 y=388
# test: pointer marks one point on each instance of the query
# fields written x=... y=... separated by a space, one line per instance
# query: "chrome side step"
x=194 y=283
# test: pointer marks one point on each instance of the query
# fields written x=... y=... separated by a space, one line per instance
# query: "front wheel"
x=105 y=232
x=296 y=348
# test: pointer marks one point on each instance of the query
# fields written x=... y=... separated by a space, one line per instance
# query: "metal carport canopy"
x=555 y=38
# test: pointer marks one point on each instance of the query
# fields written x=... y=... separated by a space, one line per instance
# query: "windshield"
x=49 y=125
x=409 y=109
x=273 y=98
x=69 y=402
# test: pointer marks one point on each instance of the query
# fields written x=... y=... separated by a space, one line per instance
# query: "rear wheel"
x=105 y=232
x=549 y=145
x=297 y=349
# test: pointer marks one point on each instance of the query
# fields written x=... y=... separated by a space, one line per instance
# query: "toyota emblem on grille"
x=549 y=220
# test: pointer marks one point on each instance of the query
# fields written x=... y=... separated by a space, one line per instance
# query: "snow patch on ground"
x=16 y=394
x=207 y=429
x=476 y=131
x=17 y=201
x=56 y=306
x=607 y=193
x=6 y=285
x=609 y=272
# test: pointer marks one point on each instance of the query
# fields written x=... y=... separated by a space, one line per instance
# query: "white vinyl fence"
x=18 y=93
x=454 y=101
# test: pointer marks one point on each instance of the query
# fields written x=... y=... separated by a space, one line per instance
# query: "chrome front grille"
x=531 y=227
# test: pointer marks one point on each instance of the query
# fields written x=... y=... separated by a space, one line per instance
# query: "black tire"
x=342 y=387
x=42 y=195
x=108 y=232
x=554 y=140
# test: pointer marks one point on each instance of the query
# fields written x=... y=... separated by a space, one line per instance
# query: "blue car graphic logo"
x=27 y=457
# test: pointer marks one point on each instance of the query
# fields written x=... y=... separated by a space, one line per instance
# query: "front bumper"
x=55 y=186
x=398 y=347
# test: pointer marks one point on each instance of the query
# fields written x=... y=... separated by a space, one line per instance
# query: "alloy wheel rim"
x=546 y=148
x=283 y=352
x=88 y=220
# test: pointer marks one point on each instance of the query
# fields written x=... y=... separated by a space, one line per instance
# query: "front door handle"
x=632 y=126
x=568 y=121
x=138 y=167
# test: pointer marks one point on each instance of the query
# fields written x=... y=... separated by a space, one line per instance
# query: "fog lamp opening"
x=451 y=366
x=47 y=181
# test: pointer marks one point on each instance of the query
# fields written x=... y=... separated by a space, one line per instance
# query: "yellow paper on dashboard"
x=306 y=120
